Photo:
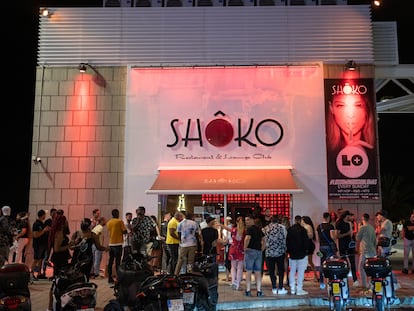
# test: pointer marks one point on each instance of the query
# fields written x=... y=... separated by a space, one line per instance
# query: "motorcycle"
x=14 y=287
x=379 y=269
x=130 y=276
x=336 y=271
x=72 y=292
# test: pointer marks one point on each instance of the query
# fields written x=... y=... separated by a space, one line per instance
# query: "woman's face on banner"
x=350 y=113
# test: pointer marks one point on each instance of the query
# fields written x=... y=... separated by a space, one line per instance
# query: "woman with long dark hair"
x=310 y=230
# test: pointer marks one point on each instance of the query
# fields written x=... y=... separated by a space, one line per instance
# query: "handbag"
x=384 y=241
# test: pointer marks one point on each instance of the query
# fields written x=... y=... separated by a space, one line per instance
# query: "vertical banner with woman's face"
x=351 y=139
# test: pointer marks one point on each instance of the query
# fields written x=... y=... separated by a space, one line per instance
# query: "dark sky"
x=20 y=42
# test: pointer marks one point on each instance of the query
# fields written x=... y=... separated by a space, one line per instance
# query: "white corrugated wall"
x=191 y=36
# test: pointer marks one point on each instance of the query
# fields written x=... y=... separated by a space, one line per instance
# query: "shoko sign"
x=224 y=116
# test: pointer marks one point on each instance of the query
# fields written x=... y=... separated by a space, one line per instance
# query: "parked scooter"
x=14 y=288
x=336 y=271
x=379 y=269
x=130 y=276
x=71 y=291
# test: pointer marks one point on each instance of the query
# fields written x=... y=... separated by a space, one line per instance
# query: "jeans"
x=272 y=263
x=115 y=253
x=173 y=248
x=408 y=247
x=97 y=258
x=299 y=266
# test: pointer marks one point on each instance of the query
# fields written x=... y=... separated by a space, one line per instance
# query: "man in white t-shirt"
x=189 y=231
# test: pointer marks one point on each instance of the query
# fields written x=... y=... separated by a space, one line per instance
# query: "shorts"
x=253 y=260
x=39 y=252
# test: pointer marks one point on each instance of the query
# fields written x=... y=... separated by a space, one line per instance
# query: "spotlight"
x=44 y=12
x=377 y=3
x=350 y=65
x=82 y=67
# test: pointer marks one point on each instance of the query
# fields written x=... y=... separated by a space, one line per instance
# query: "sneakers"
x=259 y=294
x=405 y=271
x=301 y=292
x=282 y=291
x=292 y=292
x=397 y=286
x=356 y=284
x=322 y=286
x=248 y=293
x=274 y=291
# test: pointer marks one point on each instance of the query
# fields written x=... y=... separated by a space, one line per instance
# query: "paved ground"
x=235 y=300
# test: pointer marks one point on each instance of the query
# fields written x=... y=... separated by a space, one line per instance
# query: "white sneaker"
x=282 y=291
x=292 y=292
x=274 y=291
x=301 y=292
x=397 y=286
x=356 y=284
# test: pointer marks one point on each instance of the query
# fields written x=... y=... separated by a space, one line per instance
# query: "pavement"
x=230 y=299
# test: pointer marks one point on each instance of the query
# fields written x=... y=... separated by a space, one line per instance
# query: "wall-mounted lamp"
x=83 y=67
x=44 y=12
x=98 y=78
x=350 y=66
x=376 y=3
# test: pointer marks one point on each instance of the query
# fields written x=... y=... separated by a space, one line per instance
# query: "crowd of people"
x=250 y=246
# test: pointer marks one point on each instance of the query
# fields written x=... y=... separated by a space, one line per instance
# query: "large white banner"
x=226 y=116
x=222 y=116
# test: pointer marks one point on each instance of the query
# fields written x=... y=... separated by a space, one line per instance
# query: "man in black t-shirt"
x=345 y=236
x=254 y=245
x=210 y=236
x=40 y=244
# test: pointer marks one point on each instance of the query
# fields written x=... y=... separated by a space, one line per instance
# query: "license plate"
x=175 y=305
x=378 y=287
x=188 y=297
x=336 y=289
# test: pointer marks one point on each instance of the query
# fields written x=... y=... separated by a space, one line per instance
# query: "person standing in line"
x=189 y=232
x=173 y=240
x=227 y=240
x=23 y=236
x=408 y=238
x=236 y=251
x=96 y=215
x=327 y=243
x=345 y=236
x=165 y=257
x=310 y=230
x=98 y=230
x=127 y=244
x=40 y=241
x=48 y=222
x=366 y=247
x=254 y=245
x=210 y=238
x=116 y=230
x=275 y=235
x=142 y=226
x=385 y=230
x=83 y=241
x=297 y=243
x=155 y=249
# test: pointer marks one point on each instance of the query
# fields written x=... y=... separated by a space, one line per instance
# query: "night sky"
x=20 y=42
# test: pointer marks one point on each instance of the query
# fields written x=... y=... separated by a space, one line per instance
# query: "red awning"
x=224 y=181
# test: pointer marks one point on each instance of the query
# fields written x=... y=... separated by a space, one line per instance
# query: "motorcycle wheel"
x=379 y=303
